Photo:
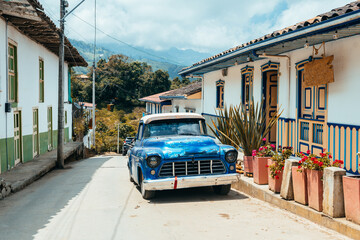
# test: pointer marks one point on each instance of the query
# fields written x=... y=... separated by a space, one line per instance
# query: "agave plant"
x=244 y=126
x=223 y=129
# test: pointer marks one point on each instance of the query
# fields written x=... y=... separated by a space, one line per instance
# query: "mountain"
x=171 y=60
x=173 y=55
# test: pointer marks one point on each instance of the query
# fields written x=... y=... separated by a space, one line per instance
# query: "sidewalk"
x=246 y=185
x=24 y=174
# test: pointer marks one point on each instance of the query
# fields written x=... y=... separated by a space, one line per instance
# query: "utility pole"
x=118 y=138
x=93 y=90
x=60 y=149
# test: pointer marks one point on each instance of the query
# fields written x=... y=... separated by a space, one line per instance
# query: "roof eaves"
x=171 y=97
x=277 y=36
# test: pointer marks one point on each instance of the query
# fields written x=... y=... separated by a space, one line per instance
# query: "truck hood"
x=184 y=146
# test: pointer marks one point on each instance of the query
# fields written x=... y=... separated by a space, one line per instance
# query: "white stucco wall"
x=167 y=109
x=342 y=94
x=187 y=103
x=28 y=54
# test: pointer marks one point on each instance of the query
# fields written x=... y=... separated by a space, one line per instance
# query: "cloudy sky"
x=202 y=25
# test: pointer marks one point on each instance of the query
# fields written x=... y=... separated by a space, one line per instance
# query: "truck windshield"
x=170 y=127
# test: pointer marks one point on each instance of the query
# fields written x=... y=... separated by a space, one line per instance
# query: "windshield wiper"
x=192 y=134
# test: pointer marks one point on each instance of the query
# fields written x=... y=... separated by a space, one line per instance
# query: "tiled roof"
x=184 y=91
x=29 y=18
x=154 y=98
x=353 y=6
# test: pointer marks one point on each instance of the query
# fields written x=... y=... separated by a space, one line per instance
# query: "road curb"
x=341 y=225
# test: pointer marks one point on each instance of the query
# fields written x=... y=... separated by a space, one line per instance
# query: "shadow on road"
x=23 y=214
x=203 y=194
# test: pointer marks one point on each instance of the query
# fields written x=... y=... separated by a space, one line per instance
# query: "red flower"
x=266 y=165
x=264 y=139
x=299 y=166
x=330 y=156
x=308 y=151
x=276 y=177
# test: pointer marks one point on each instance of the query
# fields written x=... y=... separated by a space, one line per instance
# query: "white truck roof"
x=163 y=116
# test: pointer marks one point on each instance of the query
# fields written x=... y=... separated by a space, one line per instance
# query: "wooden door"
x=17 y=137
x=312 y=119
x=50 y=128
x=35 y=133
x=271 y=101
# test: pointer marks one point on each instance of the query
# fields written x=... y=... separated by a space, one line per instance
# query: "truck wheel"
x=146 y=194
x=130 y=178
x=222 y=189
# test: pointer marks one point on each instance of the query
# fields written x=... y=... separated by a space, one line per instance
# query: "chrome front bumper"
x=188 y=182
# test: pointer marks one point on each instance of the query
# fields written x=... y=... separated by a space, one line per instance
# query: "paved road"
x=93 y=199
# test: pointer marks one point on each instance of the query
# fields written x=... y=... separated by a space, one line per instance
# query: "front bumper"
x=188 y=182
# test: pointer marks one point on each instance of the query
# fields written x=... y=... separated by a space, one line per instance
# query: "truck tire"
x=222 y=189
x=146 y=194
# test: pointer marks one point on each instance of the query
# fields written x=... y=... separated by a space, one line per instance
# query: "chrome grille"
x=190 y=168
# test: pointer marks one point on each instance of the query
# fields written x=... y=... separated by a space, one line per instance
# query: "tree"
x=160 y=82
x=122 y=82
x=177 y=83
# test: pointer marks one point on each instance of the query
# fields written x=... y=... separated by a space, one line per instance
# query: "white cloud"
x=204 y=25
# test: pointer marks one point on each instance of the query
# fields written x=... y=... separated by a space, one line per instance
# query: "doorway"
x=50 y=128
x=270 y=90
x=17 y=137
x=36 y=146
x=312 y=111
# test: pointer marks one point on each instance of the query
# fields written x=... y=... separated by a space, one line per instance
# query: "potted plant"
x=261 y=158
x=276 y=166
x=245 y=127
x=314 y=166
x=299 y=182
x=351 y=185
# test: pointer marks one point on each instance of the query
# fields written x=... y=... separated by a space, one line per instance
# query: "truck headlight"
x=153 y=161
x=231 y=156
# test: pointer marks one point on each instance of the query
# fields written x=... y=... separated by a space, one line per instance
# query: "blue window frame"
x=220 y=94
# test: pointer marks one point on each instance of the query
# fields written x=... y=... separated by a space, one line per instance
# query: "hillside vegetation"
x=87 y=51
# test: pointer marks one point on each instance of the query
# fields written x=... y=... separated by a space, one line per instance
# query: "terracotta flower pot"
x=274 y=183
x=299 y=185
x=351 y=187
x=248 y=164
x=315 y=189
x=260 y=170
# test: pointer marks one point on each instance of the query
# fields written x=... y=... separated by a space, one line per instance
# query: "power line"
x=125 y=43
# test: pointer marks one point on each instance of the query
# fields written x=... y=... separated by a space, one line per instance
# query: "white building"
x=87 y=109
x=185 y=99
x=29 y=62
x=319 y=112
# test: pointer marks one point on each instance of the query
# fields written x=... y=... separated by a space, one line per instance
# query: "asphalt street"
x=94 y=199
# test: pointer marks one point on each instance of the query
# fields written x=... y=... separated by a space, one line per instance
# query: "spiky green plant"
x=223 y=130
x=243 y=127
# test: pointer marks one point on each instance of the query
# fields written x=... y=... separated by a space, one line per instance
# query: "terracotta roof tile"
x=154 y=98
x=185 y=91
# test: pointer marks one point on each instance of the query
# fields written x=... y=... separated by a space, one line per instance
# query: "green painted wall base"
x=7 y=158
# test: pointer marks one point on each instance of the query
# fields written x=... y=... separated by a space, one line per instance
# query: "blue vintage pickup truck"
x=173 y=151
